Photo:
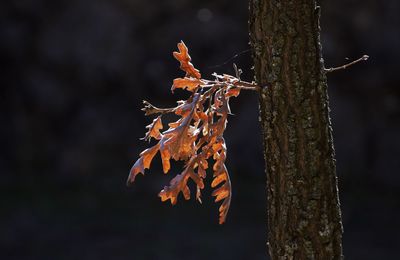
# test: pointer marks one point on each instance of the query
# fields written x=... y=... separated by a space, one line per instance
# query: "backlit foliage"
x=196 y=136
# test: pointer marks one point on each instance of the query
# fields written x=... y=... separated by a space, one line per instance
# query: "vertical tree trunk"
x=303 y=207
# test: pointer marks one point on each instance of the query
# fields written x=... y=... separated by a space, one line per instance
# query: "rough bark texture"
x=303 y=206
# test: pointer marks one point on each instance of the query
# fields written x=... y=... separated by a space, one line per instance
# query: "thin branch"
x=237 y=83
x=149 y=109
x=363 y=58
x=247 y=85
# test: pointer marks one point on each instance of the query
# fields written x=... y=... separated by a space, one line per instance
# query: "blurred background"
x=73 y=77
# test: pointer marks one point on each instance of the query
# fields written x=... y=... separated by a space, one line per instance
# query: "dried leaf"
x=165 y=157
x=183 y=57
x=154 y=129
x=180 y=141
x=142 y=163
x=189 y=84
x=177 y=184
x=224 y=208
x=224 y=192
x=232 y=92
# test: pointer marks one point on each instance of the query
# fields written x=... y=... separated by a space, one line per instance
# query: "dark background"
x=73 y=77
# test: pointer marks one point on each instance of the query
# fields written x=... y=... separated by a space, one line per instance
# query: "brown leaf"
x=189 y=84
x=224 y=192
x=148 y=156
x=180 y=141
x=202 y=168
x=221 y=193
x=142 y=163
x=177 y=184
x=184 y=109
x=183 y=57
x=221 y=176
x=203 y=117
x=224 y=208
x=154 y=129
x=165 y=156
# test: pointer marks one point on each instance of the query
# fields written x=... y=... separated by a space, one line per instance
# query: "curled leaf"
x=221 y=176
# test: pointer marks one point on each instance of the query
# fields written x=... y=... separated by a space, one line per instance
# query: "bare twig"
x=247 y=85
x=237 y=84
x=149 y=109
x=363 y=58
x=231 y=80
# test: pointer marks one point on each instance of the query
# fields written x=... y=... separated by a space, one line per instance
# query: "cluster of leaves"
x=196 y=136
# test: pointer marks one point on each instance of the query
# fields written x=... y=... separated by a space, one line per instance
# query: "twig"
x=231 y=80
x=149 y=109
x=246 y=85
x=363 y=58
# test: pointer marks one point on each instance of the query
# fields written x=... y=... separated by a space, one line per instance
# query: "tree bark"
x=304 y=219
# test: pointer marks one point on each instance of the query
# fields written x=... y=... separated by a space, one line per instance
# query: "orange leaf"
x=189 y=84
x=223 y=210
x=218 y=180
x=165 y=157
x=174 y=124
x=177 y=184
x=232 y=92
x=180 y=141
x=224 y=192
x=154 y=129
x=201 y=172
x=197 y=179
x=142 y=163
x=183 y=57
x=221 y=193
x=135 y=170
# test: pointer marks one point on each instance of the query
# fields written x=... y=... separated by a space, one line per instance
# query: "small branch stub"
x=363 y=58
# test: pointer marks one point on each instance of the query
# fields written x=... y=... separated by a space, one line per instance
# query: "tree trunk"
x=303 y=206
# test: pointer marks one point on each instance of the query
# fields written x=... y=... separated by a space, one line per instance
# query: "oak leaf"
x=183 y=57
x=154 y=129
x=189 y=84
x=142 y=163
